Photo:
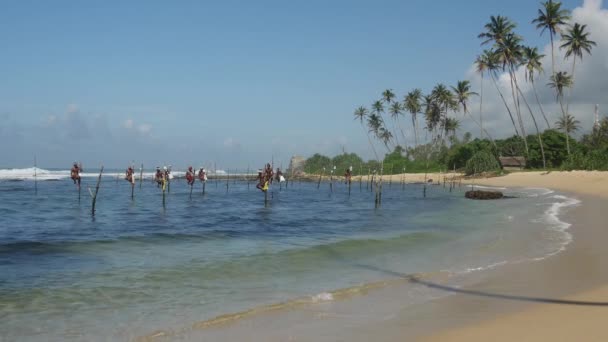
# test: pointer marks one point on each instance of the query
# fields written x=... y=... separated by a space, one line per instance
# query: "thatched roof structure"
x=513 y=162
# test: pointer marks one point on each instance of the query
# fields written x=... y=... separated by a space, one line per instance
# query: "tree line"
x=506 y=55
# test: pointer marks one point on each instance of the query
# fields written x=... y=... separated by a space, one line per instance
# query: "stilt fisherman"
x=190 y=176
x=202 y=175
x=129 y=175
x=75 y=173
x=158 y=177
x=348 y=175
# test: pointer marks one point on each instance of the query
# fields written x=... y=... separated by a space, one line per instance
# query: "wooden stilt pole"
x=141 y=175
x=35 y=176
x=96 y=192
x=227 y=179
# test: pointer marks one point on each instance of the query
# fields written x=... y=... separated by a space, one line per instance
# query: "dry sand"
x=558 y=322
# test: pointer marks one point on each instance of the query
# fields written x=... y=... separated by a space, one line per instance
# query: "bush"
x=482 y=161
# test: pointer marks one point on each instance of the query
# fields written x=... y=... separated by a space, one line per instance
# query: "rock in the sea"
x=483 y=195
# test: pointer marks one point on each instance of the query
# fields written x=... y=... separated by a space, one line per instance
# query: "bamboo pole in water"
x=360 y=177
x=35 y=176
x=96 y=192
x=248 y=177
x=227 y=179
x=141 y=175
x=320 y=176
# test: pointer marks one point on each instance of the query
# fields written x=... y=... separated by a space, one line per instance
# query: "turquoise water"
x=137 y=267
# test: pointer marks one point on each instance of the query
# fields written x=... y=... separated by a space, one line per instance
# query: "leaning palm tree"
x=507 y=54
x=532 y=62
x=568 y=124
x=550 y=18
x=360 y=114
x=412 y=104
x=396 y=110
x=576 y=41
x=559 y=81
x=481 y=67
x=463 y=92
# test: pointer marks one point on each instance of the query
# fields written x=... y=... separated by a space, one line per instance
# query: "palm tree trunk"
x=505 y=103
x=542 y=111
x=371 y=144
x=561 y=103
x=540 y=139
x=552 y=54
x=570 y=88
x=395 y=129
x=518 y=109
x=482 y=129
x=481 y=108
x=416 y=132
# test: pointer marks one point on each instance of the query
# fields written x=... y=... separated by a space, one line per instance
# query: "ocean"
x=137 y=266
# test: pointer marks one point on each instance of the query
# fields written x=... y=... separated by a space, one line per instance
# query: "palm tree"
x=432 y=114
x=576 y=41
x=481 y=67
x=532 y=62
x=559 y=81
x=412 y=104
x=388 y=96
x=551 y=19
x=496 y=30
x=463 y=92
x=450 y=125
x=569 y=124
x=507 y=53
x=360 y=114
x=385 y=136
x=395 y=110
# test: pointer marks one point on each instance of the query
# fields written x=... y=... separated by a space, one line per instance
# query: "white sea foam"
x=551 y=217
x=31 y=173
x=322 y=297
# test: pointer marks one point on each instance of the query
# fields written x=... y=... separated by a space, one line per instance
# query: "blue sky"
x=232 y=82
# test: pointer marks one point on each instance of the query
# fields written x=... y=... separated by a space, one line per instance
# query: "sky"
x=241 y=83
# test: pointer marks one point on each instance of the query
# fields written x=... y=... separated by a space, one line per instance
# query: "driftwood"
x=483 y=195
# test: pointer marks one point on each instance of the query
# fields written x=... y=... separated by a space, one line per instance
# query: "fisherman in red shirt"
x=202 y=175
x=190 y=176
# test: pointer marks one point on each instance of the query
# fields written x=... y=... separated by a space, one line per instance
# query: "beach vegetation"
x=481 y=162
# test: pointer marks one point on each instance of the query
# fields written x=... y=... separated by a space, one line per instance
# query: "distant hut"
x=512 y=163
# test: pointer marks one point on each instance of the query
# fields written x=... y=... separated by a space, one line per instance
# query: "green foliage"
x=316 y=163
x=346 y=160
x=459 y=155
x=482 y=161
x=555 y=149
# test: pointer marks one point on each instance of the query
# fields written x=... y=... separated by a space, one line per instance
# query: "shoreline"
x=436 y=326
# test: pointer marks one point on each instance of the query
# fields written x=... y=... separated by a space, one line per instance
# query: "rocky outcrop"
x=483 y=195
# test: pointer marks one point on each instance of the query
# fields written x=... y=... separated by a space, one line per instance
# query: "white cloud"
x=591 y=85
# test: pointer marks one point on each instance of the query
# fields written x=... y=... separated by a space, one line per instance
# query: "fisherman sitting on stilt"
x=348 y=175
x=262 y=181
x=75 y=173
x=129 y=175
x=190 y=176
x=158 y=177
x=202 y=175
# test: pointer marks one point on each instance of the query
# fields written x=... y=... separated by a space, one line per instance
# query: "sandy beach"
x=581 y=315
x=560 y=298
